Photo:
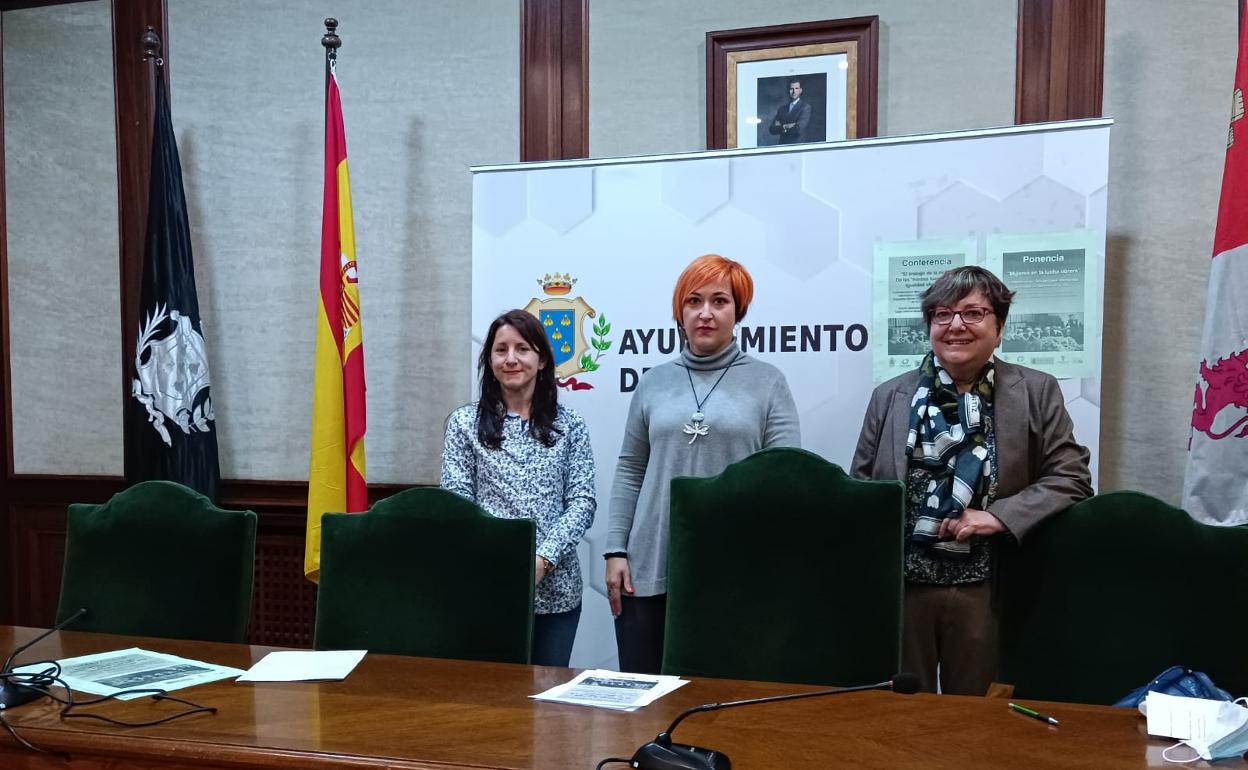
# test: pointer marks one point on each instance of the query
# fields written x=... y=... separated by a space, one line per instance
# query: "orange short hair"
x=712 y=268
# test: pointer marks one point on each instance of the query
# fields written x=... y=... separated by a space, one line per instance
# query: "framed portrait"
x=792 y=83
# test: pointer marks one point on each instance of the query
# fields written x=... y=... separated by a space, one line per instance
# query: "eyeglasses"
x=970 y=315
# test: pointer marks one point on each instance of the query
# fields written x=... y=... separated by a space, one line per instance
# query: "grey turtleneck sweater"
x=749 y=410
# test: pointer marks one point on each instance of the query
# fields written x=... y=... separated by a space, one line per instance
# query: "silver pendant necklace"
x=699 y=426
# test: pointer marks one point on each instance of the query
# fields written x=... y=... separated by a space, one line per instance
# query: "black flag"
x=171 y=432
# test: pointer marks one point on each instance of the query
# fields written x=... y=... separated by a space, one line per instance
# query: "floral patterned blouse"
x=523 y=479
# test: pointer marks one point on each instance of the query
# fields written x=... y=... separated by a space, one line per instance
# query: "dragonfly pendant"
x=696 y=428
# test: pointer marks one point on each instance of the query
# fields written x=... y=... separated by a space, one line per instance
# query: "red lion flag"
x=336 y=480
x=1215 y=489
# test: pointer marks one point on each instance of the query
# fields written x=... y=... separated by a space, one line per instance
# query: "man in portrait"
x=793 y=117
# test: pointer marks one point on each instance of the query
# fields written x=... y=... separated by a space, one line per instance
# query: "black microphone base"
x=14 y=695
x=678 y=756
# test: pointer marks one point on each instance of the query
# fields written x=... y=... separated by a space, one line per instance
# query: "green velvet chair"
x=1100 y=599
x=159 y=559
x=783 y=568
x=426 y=572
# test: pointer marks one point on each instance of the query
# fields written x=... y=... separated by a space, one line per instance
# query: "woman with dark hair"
x=693 y=416
x=519 y=454
x=986 y=450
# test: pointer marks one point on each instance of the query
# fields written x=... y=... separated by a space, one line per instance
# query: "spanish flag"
x=336 y=477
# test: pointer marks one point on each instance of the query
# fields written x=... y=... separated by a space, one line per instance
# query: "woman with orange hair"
x=712 y=406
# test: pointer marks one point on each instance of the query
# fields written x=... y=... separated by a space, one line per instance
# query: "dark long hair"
x=491 y=410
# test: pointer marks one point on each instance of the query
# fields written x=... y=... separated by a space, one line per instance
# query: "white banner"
x=594 y=248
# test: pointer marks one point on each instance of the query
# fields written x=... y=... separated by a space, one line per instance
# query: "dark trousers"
x=639 y=633
x=553 y=636
x=953 y=628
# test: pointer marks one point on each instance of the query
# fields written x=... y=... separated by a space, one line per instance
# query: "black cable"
x=43 y=681
x=4 y=721
x=156 y=695
x=611 y=761
x=36 y=681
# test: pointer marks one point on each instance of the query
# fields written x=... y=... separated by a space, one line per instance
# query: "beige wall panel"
x=428 y=90
x=1169 y=71
x=61 y=201
x=942 y=66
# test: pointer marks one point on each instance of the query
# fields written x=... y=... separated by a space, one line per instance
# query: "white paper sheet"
x=304 y=666
x=110 y=673
x=612 y=690
x=1173 y=716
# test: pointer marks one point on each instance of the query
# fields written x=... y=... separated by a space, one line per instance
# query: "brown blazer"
x=1041 y=469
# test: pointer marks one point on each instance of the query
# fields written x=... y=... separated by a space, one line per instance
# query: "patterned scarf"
x=947 y=438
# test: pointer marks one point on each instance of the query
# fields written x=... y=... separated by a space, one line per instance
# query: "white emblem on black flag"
x=172 y=367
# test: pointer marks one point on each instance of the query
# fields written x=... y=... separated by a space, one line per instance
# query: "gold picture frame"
x=752 y=74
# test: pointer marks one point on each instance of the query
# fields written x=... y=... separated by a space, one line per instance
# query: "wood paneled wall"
x=1061 y=60
x=554 y=79
x=135 y=104
x=1061 y=53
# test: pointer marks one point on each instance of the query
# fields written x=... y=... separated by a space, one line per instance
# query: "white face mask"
x=1228 y=737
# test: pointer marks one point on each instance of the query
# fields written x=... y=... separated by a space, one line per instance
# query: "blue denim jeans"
x=553 y=636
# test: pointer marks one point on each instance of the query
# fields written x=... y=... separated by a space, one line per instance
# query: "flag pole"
x=151 y=45
x=152 y=54
x=332 y=43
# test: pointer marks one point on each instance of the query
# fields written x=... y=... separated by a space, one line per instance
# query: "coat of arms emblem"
x=171 y=374
x=563 y=319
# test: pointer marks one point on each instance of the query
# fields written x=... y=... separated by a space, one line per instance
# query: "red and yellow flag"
x=336 y=480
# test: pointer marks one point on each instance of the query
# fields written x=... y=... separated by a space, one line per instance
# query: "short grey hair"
x=953 y=285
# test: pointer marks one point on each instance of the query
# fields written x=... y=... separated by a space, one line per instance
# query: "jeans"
x=553 y=636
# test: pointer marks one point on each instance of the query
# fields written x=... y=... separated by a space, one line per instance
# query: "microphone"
x=13 y=694
x=662 y=754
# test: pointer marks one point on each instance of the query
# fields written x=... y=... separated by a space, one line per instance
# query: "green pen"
x=1033 y=713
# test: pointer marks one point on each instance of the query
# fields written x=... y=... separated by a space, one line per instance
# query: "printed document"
x=612 y=690
x=110 y=673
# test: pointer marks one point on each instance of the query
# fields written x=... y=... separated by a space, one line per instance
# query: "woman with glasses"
x=986 y=450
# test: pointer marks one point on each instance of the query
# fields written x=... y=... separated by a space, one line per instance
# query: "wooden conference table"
x=428 y=714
